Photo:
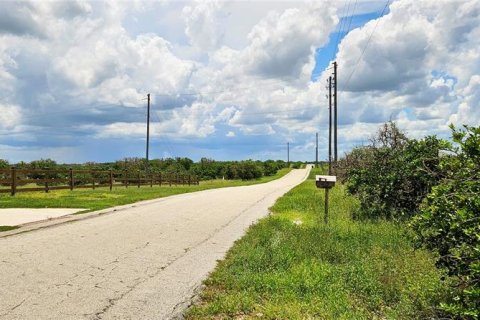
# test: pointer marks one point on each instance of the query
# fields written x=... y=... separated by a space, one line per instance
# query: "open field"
x=344 y=270
x=102 y=198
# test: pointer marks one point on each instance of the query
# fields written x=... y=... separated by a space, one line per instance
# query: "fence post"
x=47 y=176
x=13 y=176
x=71 y=179
x=138 y=176
x=170 y=179
x=189 y=179
x=126 y=180
x=160 y=179
x=93 y=180
x=111 y=179
x=151 y=180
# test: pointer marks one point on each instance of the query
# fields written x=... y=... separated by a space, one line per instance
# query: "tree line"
x=433 y=186
x=205 y=169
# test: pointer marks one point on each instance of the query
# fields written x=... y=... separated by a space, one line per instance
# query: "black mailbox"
x=325 y=182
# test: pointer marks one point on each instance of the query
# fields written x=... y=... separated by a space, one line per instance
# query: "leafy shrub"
x=393 y=174
x=248 y=170
x=449 y=222
x=296 y=165
x=231 y=171
x=43 y=164
x=270 y=168
x=4 y=164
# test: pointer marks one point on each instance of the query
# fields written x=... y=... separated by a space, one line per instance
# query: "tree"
x=393 y=174
x=4 y=164
x=231 y=171
x=270 y=168
x=449 y=222
x=43 y=164
x=186 y=163
x=248 y=170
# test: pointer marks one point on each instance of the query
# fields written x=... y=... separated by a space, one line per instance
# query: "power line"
x=340 y=28
x=366 y=44
x=156 y=114
x=190 y=93
x=164 y=139
x=351 y=16
x=261 y=112
x=48 y=114
x=233 y=89
x=79 y=109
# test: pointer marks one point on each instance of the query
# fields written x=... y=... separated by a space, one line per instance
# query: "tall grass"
x=292 y=266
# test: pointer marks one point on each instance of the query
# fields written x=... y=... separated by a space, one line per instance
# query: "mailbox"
x=325 y=182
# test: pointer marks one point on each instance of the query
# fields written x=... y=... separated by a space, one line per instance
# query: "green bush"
x=43 y=164
x=248 y=170
x=231 y=172
x=4 y=164
x=449 y=222
x=296 y=165
x=393 y=174
x=270 y=168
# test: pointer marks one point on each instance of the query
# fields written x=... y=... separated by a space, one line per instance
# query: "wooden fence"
x=15 y=180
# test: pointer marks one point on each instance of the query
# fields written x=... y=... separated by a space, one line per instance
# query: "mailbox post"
x=325 y=182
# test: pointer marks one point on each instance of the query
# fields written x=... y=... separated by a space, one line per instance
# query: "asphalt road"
x=145 y=262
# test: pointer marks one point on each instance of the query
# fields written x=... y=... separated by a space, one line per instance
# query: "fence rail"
x=15 y=180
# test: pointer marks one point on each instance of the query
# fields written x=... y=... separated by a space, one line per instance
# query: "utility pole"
x=316 y=150
x=335 y=105
x=148 y=128
x=330 y=125
x=288 y=154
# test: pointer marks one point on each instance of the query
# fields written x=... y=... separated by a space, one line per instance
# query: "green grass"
x=7 y=228
x=102 y=198
x=343 y=270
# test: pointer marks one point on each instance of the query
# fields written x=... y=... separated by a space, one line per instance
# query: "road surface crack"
x=14 y=307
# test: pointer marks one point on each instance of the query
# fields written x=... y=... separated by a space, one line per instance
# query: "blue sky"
x=229 y=82
x=326 y=54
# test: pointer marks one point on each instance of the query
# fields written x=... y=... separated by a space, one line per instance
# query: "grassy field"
x=308 y=270
x=102 y=198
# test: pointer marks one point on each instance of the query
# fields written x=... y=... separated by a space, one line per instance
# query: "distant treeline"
x=205 y=169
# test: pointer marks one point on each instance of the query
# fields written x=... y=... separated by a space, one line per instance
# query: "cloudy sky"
x=229 y=79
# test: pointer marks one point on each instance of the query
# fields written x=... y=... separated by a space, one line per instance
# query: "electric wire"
x=340 y=28
x=366 y=45
x=351 y=17
x=164 y=139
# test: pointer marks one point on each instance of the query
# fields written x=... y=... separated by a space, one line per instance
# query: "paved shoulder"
x=140 y=263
